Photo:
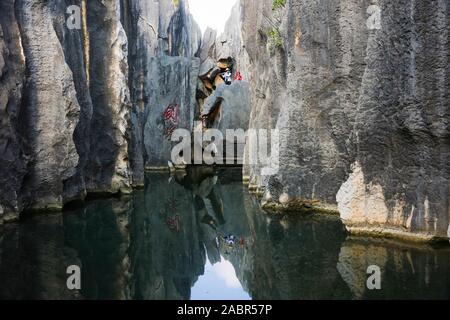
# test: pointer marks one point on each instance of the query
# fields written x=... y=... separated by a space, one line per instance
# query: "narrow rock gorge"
x=358 y=92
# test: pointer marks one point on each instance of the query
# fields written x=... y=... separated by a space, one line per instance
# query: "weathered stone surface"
x=206 y=67
x=229 y=44
x=75 y=45
x=50 y=108
x=174 y=83
x=13 y=160
x=358 y=110
x=402 y=122
x=70 y=124
x=363 y=113
x=156 y=31
x=207 y=49
x=108 y=166
x=234 y=103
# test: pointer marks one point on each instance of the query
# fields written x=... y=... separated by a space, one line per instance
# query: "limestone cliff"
x=84 y=88
x=163 y=54
x=359 y=92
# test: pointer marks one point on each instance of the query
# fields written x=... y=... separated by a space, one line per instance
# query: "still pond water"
x=201 y=235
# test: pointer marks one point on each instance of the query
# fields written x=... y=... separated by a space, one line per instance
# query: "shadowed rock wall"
x=81 y=100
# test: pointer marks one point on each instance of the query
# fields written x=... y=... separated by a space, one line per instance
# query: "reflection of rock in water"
x=292 y=258
x=99 y=235
x=154 y=244
x=33 y=260
x=407 y=271
x=165 y=261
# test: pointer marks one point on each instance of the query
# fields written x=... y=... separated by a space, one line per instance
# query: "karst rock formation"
x=358 y=92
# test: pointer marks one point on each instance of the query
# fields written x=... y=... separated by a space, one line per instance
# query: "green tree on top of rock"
x=274 y=39
x=277 y=4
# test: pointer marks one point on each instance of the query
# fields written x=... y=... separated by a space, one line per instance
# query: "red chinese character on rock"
x=174 y=223
x=238 y=76
x=171 y=119
x=172 y=114
x=168 y=132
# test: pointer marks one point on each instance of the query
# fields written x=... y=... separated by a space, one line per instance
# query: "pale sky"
x=219 y=283
x=212 y=13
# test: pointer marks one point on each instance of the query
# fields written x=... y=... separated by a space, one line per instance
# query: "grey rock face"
x=50 y=108
x=402 y=123
x=174 y=83
x=49 y=119
x=362 y=114
x=13 y=160
x=69 y=122
x=108 y=166
x=234 y=104
x=207 y=49
x=75 y=45
x=231 y=42
x=164 y=45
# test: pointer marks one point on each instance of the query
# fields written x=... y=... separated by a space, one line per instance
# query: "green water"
x=171 y=241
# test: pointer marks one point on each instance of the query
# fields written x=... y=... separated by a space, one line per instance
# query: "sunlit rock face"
x=234 y=106
x=226 y=105
x=58 y=88
x=362 y=108
x=307 y=64
x=108 y=164
x=402 y=124
x=48 y=110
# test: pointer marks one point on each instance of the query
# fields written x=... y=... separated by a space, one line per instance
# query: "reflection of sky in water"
x=219 y=283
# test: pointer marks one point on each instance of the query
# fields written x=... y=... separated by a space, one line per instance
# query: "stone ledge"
x=393 y=233
x=9 y=217
x=164 y=169
x=157 y=169
x=300 y=206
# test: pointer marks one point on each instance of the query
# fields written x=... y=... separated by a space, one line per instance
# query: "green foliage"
x=176 y=3
x=278 y=4
x=274 y=39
